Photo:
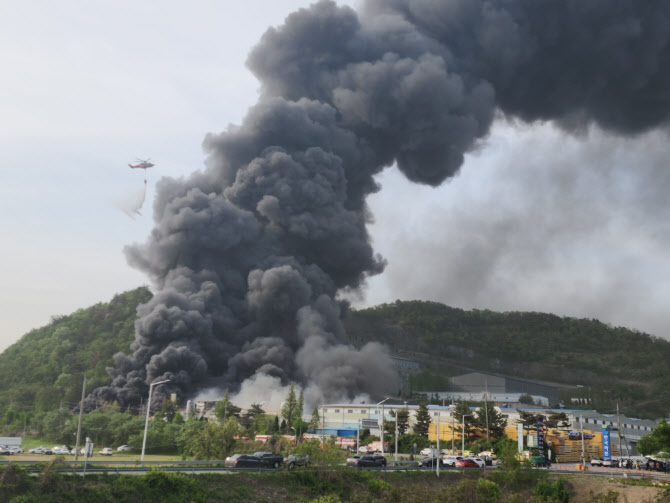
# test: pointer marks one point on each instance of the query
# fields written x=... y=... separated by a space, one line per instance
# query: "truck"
x=376 y=446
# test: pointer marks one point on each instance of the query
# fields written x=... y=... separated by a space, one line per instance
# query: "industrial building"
x=347 y=416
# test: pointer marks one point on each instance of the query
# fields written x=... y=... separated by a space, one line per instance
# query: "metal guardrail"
x=112 y=462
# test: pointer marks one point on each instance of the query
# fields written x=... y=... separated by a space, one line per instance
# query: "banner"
x=519 y=436
x=540 y=434
x=606 y=443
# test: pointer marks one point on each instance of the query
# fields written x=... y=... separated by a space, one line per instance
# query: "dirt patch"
x=588 y=489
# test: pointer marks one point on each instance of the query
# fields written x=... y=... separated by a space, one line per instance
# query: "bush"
x=545 y=491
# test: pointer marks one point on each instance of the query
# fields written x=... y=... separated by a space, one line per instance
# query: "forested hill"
x=45 y=367
x=614 y=364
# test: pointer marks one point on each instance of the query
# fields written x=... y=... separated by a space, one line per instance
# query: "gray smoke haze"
x=539 y=221
x=248 y=257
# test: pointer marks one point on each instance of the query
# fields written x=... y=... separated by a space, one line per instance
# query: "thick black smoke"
x=249 y=255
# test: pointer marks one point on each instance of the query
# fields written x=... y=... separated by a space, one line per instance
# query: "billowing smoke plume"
x=248 y=256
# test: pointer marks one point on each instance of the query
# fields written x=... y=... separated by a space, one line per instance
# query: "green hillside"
x=613 y=364
x=44 y=368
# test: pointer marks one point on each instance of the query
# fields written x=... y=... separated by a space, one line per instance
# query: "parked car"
x=429 y=461
x=596 y=462
x=41 y=450
x=540 y=461
x=4 y=451
x=107 y=451
x=270 y=459
x=368 y=460
x=607 y=462
x=16 y=450
x=124 y=448
x=242 y=461
x=62 y=450
x=466 y=463
x=295 y=460
x=364 y=449
x=450 y=460
x=429 y=451
x=480 y=462
x=490 y=454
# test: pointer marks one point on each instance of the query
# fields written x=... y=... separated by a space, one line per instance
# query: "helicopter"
x=142 y=164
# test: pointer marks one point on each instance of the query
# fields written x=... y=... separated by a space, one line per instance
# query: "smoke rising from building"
x=248 y=256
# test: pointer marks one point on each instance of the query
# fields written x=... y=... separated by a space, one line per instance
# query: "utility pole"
x=81 y=413
x=486 y=409
x=437 y=469
x=358 y=437
x=581 y=425
x=618 y=426
x=453 y=425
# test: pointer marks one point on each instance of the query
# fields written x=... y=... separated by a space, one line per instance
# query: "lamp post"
x=146 y=422
x=396 y=436
x=382 y=426
x=463 y=433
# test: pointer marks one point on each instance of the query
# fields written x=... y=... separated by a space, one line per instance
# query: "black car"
x=255 y=460
x=367 y=461
x=430 y=462
x=269 y=459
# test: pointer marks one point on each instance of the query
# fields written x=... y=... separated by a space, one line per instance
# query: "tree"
x=403 y=420
x=658 y=440
x=167 y=411
x=461 y=411
x=422 y=420
x=247 y=420
x=528 y=419
x=225 y=409
x=496 y=423
x=298 y=423
x=316 y=419
x=289 y=406
x=526 y=398
x=557 y=420
x=212 y=440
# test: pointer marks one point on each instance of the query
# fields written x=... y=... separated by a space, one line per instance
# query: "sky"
x=536 y=220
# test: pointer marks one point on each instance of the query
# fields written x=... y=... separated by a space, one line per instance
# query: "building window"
x=325 y=410
x=337 y=411
x=350 y=412
x=363 y=411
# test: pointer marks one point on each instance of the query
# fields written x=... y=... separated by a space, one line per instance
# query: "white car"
x=365 y=449
x=40 y=450
x=124 y=448
x=450 y=460
x=16 y=450
x=107 y=451
x=479 y=461
x=60 y=450
x=429 y=451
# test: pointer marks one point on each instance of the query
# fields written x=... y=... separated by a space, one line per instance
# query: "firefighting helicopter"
x=142 y=164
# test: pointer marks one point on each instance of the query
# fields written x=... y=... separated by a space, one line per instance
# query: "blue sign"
x=540 y=435
x=607 y=454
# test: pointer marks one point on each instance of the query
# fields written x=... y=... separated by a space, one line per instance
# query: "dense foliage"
x=44 y=369
x=57 y=484
x=658 y=441
x=613 y=364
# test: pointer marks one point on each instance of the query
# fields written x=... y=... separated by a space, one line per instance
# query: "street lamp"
x=463 y=433
x=382 y=428
x=146 y=423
